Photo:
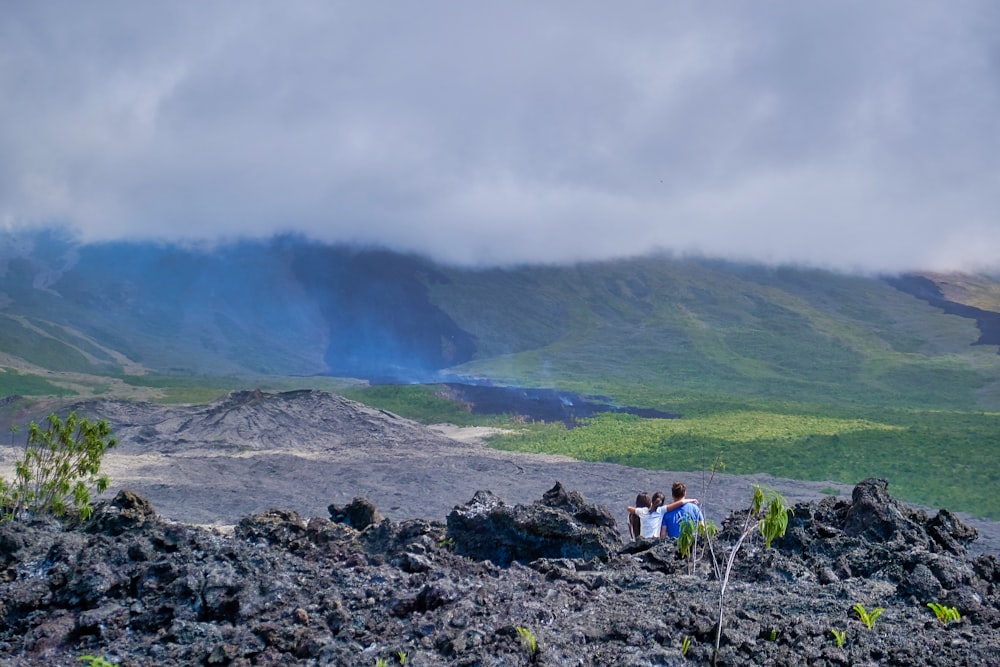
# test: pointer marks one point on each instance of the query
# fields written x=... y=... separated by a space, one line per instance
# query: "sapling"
x=768 y=515
x=687 y=541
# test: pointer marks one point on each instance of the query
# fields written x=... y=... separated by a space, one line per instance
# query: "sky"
x=850 y=135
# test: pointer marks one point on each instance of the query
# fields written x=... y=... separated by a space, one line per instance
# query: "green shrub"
x=60 y=465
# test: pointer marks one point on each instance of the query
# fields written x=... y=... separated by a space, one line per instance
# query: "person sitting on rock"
x=634 y=523
x=687 y=510
x=650 y=517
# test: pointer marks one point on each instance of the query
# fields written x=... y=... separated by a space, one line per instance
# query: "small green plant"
x=839 y=636
x=381 y=662
x=868 y=617
x=774 y=634
x=402 y=657
x=943 y=613
x=447 y=543
x=768 y=514
x=529 y=641
x=59 y=466
x=685 y=645
x=691 y=533
x=95 y=661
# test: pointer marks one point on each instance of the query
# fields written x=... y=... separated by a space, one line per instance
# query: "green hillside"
x=795 y=372
x=653 y=326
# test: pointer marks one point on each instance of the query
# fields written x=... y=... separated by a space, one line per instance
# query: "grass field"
x=937 y=458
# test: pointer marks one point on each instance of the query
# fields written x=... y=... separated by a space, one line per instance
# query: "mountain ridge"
x=287 y=307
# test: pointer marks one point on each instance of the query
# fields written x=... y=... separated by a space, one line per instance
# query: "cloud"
x=849 y=135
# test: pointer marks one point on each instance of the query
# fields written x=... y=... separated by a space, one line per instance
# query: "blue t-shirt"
x=673 y=519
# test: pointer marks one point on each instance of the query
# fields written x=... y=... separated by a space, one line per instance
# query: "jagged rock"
x=560 y=525
x=127 y=510
x=359 y=514
x=878 y=517
x=283 y=590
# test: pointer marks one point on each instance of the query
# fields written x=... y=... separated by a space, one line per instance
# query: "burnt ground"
x=540 y=404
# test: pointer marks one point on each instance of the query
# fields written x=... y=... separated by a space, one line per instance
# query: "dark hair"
x=658 y=499
x=678 y=490
x=634 y=523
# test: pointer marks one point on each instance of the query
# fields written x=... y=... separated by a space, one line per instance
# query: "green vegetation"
x=529 y=642
x=799 y=442
x=692 y=533
x=839 y=636
x=685 y=645
x=943 y=613
x=60 y=465
x=95 y=661
x=867 y=617
x=794 y=372
x=13 y=383
x=768 y=515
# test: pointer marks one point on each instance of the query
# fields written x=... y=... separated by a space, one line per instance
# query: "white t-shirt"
x=649 y=522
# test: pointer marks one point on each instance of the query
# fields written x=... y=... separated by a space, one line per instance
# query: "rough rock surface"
x=283 y=590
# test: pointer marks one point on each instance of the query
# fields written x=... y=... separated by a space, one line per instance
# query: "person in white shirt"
x=650 y=512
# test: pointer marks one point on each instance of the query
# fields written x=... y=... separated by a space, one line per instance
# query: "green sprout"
x=839 y=636
x=868 y=617
x=529 y=641
x=943 y=613
x=95 y=661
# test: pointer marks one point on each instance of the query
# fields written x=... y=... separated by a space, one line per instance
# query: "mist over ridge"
x=291 y=306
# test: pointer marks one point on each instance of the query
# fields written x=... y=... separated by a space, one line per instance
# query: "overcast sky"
x=849 y=135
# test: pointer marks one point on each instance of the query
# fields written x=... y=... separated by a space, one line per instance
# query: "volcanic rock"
x=560 y=525
x=285 y=590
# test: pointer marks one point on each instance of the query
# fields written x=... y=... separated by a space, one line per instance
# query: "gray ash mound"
x=283 y=590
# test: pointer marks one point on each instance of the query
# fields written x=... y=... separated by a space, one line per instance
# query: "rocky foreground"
x=356 y=589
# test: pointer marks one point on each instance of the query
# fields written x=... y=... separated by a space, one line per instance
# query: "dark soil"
x=540 y=404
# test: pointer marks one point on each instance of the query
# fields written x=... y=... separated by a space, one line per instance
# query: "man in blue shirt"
x=688 y=511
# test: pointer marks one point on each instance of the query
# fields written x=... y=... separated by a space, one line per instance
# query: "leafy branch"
x=59 y=466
